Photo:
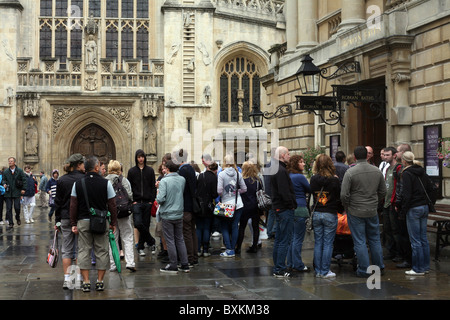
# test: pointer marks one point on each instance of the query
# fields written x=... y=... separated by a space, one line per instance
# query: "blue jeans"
x=230 y=229
x=416 y=220
x=325 y=225
x=270 y=222
x=362 y=229
x=203 y=230
x=294 y=256
x=283 y=235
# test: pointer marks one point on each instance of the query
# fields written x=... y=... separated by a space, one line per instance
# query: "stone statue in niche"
x=31 y=140
x=91 y=54
x=207 y=94
x=150 y=139
x=173 y=53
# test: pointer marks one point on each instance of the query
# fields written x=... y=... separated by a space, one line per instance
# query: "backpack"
x=123 y=203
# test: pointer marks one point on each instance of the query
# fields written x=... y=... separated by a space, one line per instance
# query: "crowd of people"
x=183 y=200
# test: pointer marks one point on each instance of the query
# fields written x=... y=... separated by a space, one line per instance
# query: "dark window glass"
x=128 y=9
x=256 y=92
x=127 y=43
x=45 y=42
x=111 y=43
x=61 y=8
x=142 y=9
x=61 y=44
x=224 y=98
x=246 y=100
x=46 y=8
x=76 y=43
x=234 y=100
x=112 y=8
x=95 y=8
x=142 y=46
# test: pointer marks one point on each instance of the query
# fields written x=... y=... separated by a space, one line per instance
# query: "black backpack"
x=123 y=203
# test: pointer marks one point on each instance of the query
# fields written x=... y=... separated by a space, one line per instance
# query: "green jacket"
x=13 y=180
x=170 y=197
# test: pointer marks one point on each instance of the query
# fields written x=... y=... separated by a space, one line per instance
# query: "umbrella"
x=114 y=250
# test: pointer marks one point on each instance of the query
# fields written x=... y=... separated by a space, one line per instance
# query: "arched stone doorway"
x=96 y=141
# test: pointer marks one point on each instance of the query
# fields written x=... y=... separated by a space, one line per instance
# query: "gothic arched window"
x=240 y=89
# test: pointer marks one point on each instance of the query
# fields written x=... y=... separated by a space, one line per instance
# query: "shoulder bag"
x=227 y=210
x=97 y=218
x=309 y=224
x=264 y=201
x=53 y=253
x=430 y=203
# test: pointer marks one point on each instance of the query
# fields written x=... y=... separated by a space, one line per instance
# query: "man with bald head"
x=283 y=206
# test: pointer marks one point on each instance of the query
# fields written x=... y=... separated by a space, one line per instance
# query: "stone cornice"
x=11 y=4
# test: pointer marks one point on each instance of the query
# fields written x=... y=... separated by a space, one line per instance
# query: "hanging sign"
x=311 y=103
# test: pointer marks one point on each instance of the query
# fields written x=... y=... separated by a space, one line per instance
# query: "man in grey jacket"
x=362 y=189
x=171 y=206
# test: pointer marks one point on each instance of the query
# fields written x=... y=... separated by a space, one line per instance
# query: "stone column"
x=291 y=25
x=353 y=14
x=307 y=24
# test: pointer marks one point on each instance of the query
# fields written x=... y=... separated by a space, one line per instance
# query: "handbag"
x=430 y=203
x=309 y=225
x=226 y=210
x=98 y=218
x=264 y=201
x=53 y=253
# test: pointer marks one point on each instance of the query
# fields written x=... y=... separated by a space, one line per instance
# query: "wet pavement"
x=25 y=275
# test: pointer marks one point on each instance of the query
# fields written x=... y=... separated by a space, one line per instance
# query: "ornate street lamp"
x=308 y=76
x=257 y=116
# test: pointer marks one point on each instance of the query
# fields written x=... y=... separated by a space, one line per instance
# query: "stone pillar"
x=353 y=14
x=291 y=25
x=10 y=14
x=307 y=24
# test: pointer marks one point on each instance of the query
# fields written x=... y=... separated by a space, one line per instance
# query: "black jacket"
x=142 y=182
x=188 y=173
x=283 y=195
x=413 y=194
x=329 y=200
x=63 y=191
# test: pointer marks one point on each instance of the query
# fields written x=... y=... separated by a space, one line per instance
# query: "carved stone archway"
x=96 y=141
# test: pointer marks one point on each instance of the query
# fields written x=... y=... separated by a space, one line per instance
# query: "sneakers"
x=66 y=284
x=86 y=287
x=329 y=275
x=184 y=268
x=153 y=249
x=141 y=252
x=227 y=253
x=413 y=273
x=282 y=274
x=169 y=270
x=99 y=286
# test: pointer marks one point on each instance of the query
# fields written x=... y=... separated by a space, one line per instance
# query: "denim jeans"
x=325 y=225
x=294 y=256
x=362 y=229
x=270 y=222
x=283 y=236
x=230 y=229
x=416 y=220
x=203 y=228
x=141 y=219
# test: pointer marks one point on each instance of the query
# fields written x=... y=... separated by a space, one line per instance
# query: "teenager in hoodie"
x=415 y=208
x=142 y=180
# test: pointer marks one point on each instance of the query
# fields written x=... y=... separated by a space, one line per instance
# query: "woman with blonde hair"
x=230 y=186
x=250 y=211
x=124 y=228
x=417 y=187
x=326 y=189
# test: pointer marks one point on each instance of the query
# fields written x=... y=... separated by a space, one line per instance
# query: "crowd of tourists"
x=188 y=205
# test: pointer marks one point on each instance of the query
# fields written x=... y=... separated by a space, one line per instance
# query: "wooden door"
x=96 y=141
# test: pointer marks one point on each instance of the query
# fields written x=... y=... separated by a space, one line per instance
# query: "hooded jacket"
x=142 y=181
x=413 y=194
x=228 y=183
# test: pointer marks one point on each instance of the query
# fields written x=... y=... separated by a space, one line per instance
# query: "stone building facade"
x=401 y=46
x=110 y=77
